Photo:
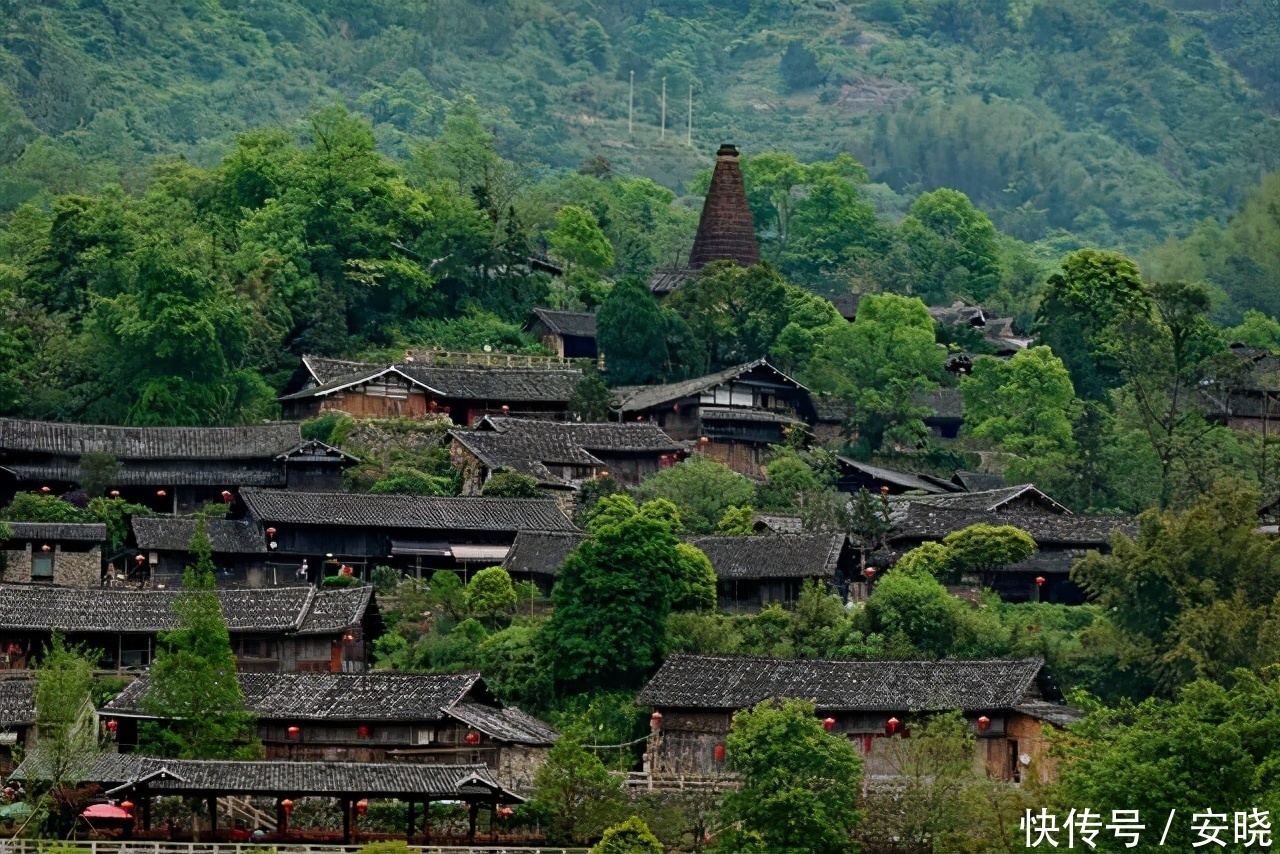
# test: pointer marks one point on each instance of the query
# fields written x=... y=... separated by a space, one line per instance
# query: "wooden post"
x=426 y=821
x=475 y=811
x=146 y=812
x=213 y=818
x=346 y=821
x=493 y=822
x=409 y=830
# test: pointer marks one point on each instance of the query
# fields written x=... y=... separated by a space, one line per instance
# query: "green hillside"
x=1122 y=123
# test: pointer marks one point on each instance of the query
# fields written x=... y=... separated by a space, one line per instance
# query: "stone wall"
x=70 y=569
x=517 y=766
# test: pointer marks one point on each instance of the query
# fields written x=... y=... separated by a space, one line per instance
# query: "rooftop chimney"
x=725 y=230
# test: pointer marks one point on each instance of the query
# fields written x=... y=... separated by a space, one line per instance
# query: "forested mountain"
x=1101 y=122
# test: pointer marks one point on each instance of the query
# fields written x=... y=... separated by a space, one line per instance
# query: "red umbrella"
x=105 y=811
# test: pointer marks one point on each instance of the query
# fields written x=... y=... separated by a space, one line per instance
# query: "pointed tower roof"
x=725 y=230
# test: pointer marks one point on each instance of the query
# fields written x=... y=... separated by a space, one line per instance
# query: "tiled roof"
x=781 y=556
x=898 y=478
x=166 y=533
x=83 y=532
x=776 y=524
x=977 y=481
x=368 y=697
x=26 y=607
x=509 y=724
x=149 y=443
x=920 y=521
x=496 y=385
x=664 y=280
x=846 y=304
x=581 y=324
x=946 y=403
x=333 y=610
x=274 y=778
x=314 y=450
x=742 y=413
x=324 y=370
x=220 y=473
x=17 y=702
x=729 y=682
x=405 y=511
x=636 y=398
x=989 y=500
x=541 y=552
x=958 y=314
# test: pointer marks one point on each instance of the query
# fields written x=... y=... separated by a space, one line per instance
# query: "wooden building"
x=377 y=717
x=855 y=476
x=946 y=411
x=63 y=553
x=169 y=469
x=416 y=533
x=739 y=412
x=464 y=393
x=1003 y=701
x=571 y=334
x=17 y=716
x=757 y=571
x=1062 y=537
x=1247 y=395
x=561 y=455
x=286 y=629
x=239 y=551
x=538 y=555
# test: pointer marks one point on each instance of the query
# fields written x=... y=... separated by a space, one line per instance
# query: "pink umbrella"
x=105 y=811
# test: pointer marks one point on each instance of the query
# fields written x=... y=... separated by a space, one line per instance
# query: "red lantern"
x=869 y=572
x=506 y=812
x=829 y=724
x=112 y=725
x=704 y=440
x=138 y=559
x=719 y=752
x=1039 y=581
x=271 y=532
x=287 y=806
x=891 y=726
x=505 y=409
x=472 y=737
x=655 y=721
x=983 y=723
x=45 y=548
x=294 y=731
x=161 y=493
x=226 y=496
x=362 y=731
x=884 y=490
x=127 y=806
x=362 y=806
x=115 y=493
x=44 y=490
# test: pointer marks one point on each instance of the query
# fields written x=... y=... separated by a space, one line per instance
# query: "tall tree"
x=952 y=248
x=632 y=334
x=67 y=738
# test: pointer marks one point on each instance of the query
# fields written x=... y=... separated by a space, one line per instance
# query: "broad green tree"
x=629 y=837
x=490 y=594
x=67 y=737
x=702 y=489
x=631 y=331
x=578 y=795
x=952 y=249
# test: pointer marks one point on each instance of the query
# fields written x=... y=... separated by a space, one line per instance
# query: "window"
x=42 y=567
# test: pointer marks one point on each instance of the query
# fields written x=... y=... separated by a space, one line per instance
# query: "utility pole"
x=662 y=135
x=631 y=102
x=688 y=139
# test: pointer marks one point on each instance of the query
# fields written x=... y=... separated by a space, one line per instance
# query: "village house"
x=169 y=469
x=67 y=554
x=285 y=629
x=733 y=415
x=753 y=572
x=855 y=476
x=571 y=334
x=376 y=717
x=538 y=555
x=560 y=455
x=726 y=231
x=413 y=389
x=313 y=534
x=1246 y=396
x=17 y=717
x=871 y=703
x=240 y=552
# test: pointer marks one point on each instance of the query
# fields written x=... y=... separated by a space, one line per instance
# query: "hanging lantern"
x=362 y=806
x=1039 y=581
x=138 y=559
x=655 y=721
x=271 y=532
x=704 y=440
x=44 y=490
x=112 y=725
x=891 y=726
x=884 y=490
x=983 y=723
x=719 y=752
x=506 y=812
x=348 y=637
x=362 y=731
x=287 y=806
x=829 y=724
x=869 y=572
x=115 y=493
x=472 y=737
x=294 y=731
x=45 y=548
x=161 y=493
x=505 y=409
x=127 y=806
x=226 y=496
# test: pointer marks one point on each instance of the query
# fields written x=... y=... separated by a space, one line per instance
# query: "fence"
x=40 y=846
x=493 y=360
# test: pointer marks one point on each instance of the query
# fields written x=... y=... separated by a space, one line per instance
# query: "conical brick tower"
x=725 y=230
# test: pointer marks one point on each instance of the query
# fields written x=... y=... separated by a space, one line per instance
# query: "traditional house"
x=561 y=455
x=287 y=629
x=465 y=393
x=870 y=702
x=726 y=231
x=377 y=717
x=754 y=572
x=1061 y=536
x=17 y=717
x=946 y=411
x=239 y=551
x=1247 y=396
x=855 y=475
x=319 y=531
x=571 y=334
x=734 y=415
x=538 y=555
x=63 y=553
x=169 y=469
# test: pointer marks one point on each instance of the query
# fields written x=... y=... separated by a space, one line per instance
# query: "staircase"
x=232 y=810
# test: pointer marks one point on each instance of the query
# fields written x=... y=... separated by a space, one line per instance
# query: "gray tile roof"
x=637 y=398
x=17 y=702
x=368 y=779
x=83 y=532
x=26 y=607
x=509 y=724
x=405 y=511
x=166 y=533
x=581 y=324
x=495 y=385
x=946 y=403
x=902 y=479
x=977 y=481
x=370 y=697
x=989 y=500
x=779 y=556
x=777 y=524
x=541 y=552
x=920 y=521
x=742 y=413
x=149 y=443
x=729 y=682
x=314 y=450
x=222 y=473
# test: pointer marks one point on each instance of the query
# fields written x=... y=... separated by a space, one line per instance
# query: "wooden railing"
x=40 y=846
x=491 y=360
